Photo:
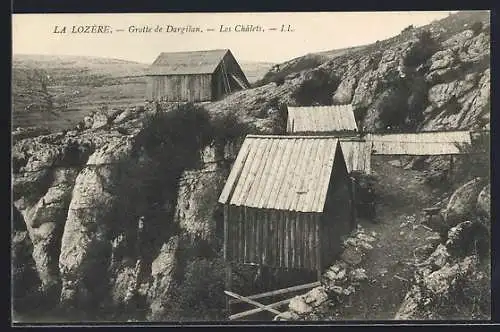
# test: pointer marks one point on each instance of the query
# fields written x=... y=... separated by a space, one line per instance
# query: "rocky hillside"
x=118 y=219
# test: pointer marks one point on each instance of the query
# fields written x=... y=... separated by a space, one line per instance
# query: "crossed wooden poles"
x=264 y=307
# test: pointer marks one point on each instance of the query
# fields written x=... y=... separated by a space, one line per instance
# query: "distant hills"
x=74 y=85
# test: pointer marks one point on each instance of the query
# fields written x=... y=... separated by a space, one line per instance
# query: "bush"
x=316 y=89
x=422 y=50
x=228 y=128
x=394 y=109
x=477 y=27
x=475 y=162
x=407 y=29
x=200 y=294
x=298 y=65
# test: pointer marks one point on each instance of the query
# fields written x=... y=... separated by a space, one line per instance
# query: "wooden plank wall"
x=283 y=239
x=176 y=88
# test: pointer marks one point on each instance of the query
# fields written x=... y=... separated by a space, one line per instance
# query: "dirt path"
x=402 y=196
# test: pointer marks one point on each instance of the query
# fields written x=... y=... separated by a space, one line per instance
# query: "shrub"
x=200 y=293
x=317 y=88
x=298 y=65
x=394 y=109
x=422 y=50
x=228 y=128
x=477 y=27
x=475 y=162
x=407 y=29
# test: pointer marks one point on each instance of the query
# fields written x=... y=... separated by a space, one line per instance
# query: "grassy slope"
x=80 y=84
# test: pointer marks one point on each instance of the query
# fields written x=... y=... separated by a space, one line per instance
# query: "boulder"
x=163 y=271
x=366 y=238
x=299 y=306
x=423 y=251
x=438 y=258
x=462 y=203
x=336 y=276
x=433 y=239
x=345 y=91
x=287 y=315
x=458 y=39
x=468 y=238
x=352 y=256
x=100 y=120
x=316 y=296
x=358 y=275
x=424 y=300
x=483 y=204
x=123 y=116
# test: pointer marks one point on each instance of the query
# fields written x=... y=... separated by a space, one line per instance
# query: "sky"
x=312 y=32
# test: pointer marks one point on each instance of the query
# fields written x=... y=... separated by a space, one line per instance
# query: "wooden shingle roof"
x=282 y=172
x=321 y=119
x=186 y=63
x=419 y=144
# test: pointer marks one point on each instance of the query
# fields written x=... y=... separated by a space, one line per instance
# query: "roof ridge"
x=293 y=136
x=198 y=51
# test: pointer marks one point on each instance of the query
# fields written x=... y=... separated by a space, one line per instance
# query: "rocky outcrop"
x=484 y=202
x=162 y=274
x=338 y=282
x=196 y=203
x=24 y=274
x=434 y=288
x=462 y=203
x=83 y=245
x=454 y=273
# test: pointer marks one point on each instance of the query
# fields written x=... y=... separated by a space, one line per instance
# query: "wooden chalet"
x=194 y=76
x=287 y=202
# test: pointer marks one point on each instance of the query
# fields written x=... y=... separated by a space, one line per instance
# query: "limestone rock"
x=345 y=91
x=365 y=238
x=459 y=38
x=316 y=296
x=123 y=116
x=100 y=119
x=484 y=202
x=287 y=315
x=468 y=238
x=162 y=272
x=84 y=239
x=433 y=239
x=352 y=256
x=439 y=257
x=423 y=251
x=358 y=274
x=299 y=306
x=463 y=202
x=423 y=299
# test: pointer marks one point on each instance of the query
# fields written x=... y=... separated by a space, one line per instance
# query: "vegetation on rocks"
x=107 y=211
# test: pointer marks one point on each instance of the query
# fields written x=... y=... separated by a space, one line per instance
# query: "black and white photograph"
x=251 y=166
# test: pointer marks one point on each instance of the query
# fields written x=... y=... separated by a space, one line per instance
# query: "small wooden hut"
x=419 y=144
x=194 y=76
x=315 y=120
x=287 y=202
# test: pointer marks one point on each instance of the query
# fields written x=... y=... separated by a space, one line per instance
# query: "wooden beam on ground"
x=257 y=310
x=279 y=291
x=252 y=302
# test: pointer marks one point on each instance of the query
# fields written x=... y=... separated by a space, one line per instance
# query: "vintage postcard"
x=281 y=166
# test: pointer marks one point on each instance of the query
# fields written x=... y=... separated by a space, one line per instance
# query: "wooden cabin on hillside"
x=194 y=76
x=335 y=120
x=287 y=202
x=419 y=144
